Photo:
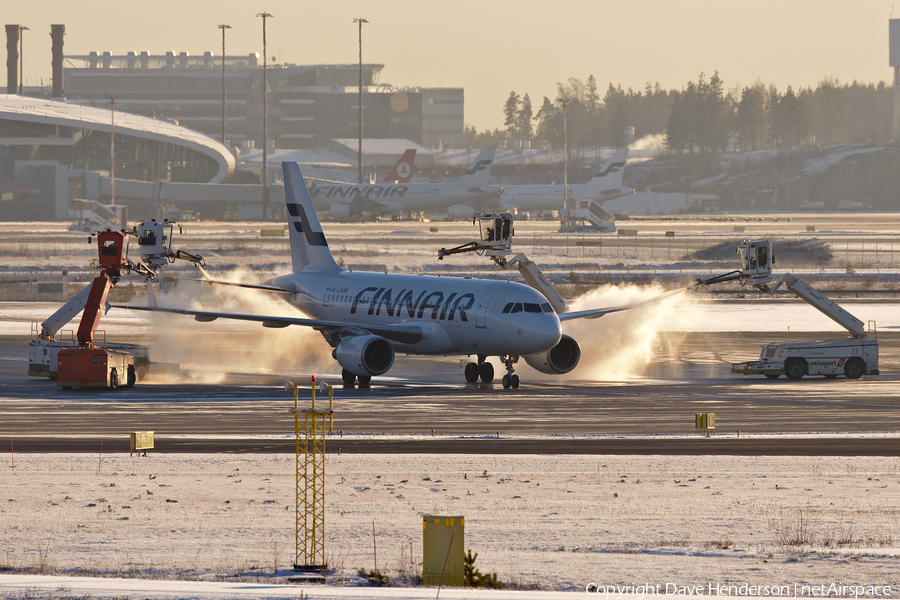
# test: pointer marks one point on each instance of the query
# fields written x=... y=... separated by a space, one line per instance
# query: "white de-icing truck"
x=852 y=357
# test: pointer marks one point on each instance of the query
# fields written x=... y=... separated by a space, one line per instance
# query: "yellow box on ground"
x=141 y=440
x=443 y=541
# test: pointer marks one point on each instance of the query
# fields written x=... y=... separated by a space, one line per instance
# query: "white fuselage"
x=396 y=197
x=456 y=315
x=550 y=197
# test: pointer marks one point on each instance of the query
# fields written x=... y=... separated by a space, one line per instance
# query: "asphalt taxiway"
x=654 y=414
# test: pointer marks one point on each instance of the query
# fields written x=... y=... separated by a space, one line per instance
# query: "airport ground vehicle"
x=852 y=357
x=496 y=231
x=87 y=364
x=155 y=241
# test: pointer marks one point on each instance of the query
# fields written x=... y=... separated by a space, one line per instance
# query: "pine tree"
x=549 y=122
x=510 y=110
x=523 y=119
x=616 y=115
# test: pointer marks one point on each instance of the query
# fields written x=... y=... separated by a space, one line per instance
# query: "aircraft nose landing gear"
x=510 y=380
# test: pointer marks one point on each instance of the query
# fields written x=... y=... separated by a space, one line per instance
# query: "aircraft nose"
x=547 y=331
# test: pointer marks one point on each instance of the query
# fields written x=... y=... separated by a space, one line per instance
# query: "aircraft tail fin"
x=402 y=171
x=478 y=172
x=309 y=249
x=611 y=173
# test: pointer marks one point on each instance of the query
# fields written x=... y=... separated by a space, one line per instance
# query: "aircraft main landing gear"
x=482 y=369
x=510 y=380
x=349 y=377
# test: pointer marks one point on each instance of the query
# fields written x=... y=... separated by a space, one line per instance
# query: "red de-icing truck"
x=89 y=365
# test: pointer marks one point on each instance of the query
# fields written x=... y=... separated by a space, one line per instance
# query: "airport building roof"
x=23 y=110
x=370 y=147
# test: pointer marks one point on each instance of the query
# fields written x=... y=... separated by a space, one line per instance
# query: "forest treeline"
x=701 y=118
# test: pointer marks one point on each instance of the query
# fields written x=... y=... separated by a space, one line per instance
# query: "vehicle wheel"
x=506 y=382
x=349 y=377
x=514 y=380
x=471 y=372
x=113 y=379
x=795 y=368
x=132 y=377
x=854 y=368
x=487 y=372
x=773 y=375
x=364 y=379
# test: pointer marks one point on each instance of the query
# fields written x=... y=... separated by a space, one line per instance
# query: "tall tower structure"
x=894 y=59
x=12 y=58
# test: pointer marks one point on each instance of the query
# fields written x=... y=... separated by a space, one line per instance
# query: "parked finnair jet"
x=346 y=201
x=368 y=317
x=402 y=171
x=605 y=184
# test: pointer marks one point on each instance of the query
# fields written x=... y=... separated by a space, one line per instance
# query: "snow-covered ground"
x=539 y=522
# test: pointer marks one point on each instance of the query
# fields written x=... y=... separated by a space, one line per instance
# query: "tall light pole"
x=112 y=150
x=359 y=152
x=565 y=156
x=223 y=28
x=265 y=165
x=21 y=62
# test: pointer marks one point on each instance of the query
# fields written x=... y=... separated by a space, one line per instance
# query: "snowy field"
x=539 y=522
x=554 y=524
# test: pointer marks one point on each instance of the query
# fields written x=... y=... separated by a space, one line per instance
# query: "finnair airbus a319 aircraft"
x=349 y=201
x=368 y=317
x=604 y=185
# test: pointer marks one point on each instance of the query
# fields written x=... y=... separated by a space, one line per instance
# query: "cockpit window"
x=517 y=307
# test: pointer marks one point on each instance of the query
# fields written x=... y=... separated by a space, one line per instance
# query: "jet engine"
x=343 y=212
x=561 y=358
x=365 y=354
x=460 y=211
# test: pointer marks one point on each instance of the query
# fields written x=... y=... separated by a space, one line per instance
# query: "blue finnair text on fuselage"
x=365 y=191
x=378 y=298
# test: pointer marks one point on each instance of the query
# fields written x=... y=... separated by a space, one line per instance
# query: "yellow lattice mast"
x=309 y=514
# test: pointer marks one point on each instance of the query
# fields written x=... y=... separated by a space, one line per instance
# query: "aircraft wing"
x=490 y=194
x=483 y=200
x=252 y=286
x=404 y=334
x=374 y=205
x=595 y=313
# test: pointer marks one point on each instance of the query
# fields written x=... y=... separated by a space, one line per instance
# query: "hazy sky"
x=491 y=47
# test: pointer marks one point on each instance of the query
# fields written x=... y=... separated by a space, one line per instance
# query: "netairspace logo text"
x=797 y=590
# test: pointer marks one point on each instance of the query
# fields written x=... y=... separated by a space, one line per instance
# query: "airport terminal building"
x=181 y=123
x=308 y=105
x=52 y=151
